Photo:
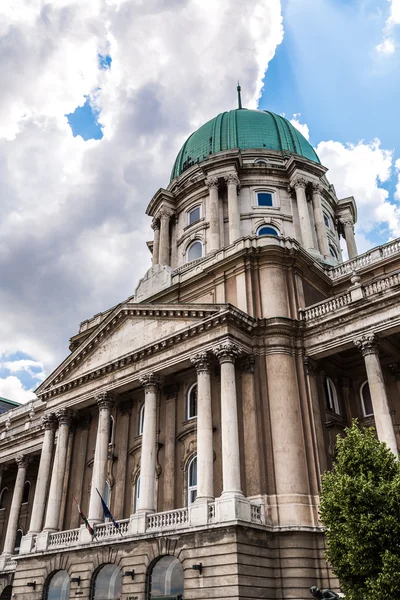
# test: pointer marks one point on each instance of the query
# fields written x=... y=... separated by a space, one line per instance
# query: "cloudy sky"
x=97 y=98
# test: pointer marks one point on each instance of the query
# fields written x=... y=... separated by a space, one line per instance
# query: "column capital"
x=226 y=352
x=232 y=179
x=202 y=362
x=248 y=364
x=104 y=400
x=65 y=416
x=22 y=461
x=299 y=182
x=316 y=188
x=164 y=215
x=212 y=182
x=155 y=224
x=311 y=366
x=171 y=391
x=49 y=421
x=367 y=344
x=151 y=382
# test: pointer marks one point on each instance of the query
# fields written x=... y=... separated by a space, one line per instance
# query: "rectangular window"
x=327 y=221
x=264 y=199
x=193 y=215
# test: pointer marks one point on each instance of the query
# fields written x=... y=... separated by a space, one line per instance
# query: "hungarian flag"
x=106 y=511
x=84 y=519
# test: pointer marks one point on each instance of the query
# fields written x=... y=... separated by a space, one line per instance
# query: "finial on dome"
x=239 y=89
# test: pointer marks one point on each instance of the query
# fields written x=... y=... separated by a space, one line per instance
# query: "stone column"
x=164 y=238
x=205 y=455
x=232 y=182
x=11 y=533
x=368 y=346
x=348 y=230
x=251 y=449
x=148 y=455
x=213 y=242
x=227 y=352
x=311 y=368
x=124 y=411
x=319 y=220
x=299 y=185
x=171 y=393
x=64 y=417
x=43 y=479
x=156 y=244
x=105 y=402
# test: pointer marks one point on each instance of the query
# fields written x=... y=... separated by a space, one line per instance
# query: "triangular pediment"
x=128 y=328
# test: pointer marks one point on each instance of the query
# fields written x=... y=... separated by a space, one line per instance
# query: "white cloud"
x=72 y=229
x=303 y=128
x=387 y=46
x=33 y=367
x=12 y=389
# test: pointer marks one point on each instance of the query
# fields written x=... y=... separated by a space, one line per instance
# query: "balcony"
x=376 y=255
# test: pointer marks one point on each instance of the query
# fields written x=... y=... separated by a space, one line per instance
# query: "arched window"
x=267 y=230
x=366 y=402
x=194 y=214
x=333 y=251
x=166 y=579
x=107 y=497
x=137 y=492
x=194 y=251
x=141 y=420
x=265 y=199
x=58 y=586
x=331 y=396
x=111 y=431
x=3 y=498
x=18 y=539
x=107 y=583
x=191 y=402
x=192 y=480
x=27 y=489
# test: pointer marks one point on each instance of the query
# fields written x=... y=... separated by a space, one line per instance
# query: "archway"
x=58 y=586
x=107 y=583
x=166 y=579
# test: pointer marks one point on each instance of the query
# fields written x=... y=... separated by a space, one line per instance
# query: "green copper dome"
x=244 y=129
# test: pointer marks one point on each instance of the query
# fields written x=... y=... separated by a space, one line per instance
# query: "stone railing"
x=368 y=258
x=256 y=513
x=167 y=520
x=63 y=538
x=382 y=284
x=108 y=530
x=324 y=307
x=211 y=512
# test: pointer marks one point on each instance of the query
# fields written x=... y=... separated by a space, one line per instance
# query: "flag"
x=84 y=519
x=107 y=512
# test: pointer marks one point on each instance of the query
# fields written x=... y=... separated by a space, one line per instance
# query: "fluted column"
x=319 y=220
x=299 y=184
x=232 y=182
x=156 y=244
x=205 y=456
x=164 y=237
x=213 y=214
x=348 y=231
x=11 y=533
x=227 y=352
x=171 y=393
x=105 y=403
x=49 y=423
x=368 y=346
x=148 y=456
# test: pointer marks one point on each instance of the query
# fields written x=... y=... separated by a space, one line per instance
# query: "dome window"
x=194 y=215
x=267 y=230
x=265 y=199
x=194 y=251
x=333 y=252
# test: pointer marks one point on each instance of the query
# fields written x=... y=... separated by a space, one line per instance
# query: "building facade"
x=205 y=407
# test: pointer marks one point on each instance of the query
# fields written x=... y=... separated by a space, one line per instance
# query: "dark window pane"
x=107 y=585
x=367 y=402
x=333 y=251
x=195 y=251
x=166 y=578
x=194 y=215
x=264 y=199
x=267 y=231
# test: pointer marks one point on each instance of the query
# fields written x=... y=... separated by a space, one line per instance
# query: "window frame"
x=266 y=226
x=49 y=579
x=17 y=549
x=137 y=493
x=189 y=246
x=117 y=571
x=111 y=433
x=191 y=487
x=364 y=412
x=272 y=194
x=27 y=483
x=190 y=211
x=335 y=253
x=327 y=220
x=192 y=387
x=140 y=419
x=331 y=396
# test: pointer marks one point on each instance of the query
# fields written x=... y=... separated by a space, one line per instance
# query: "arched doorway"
x=166 y=579
x=6 y=593
x=107 y=583
x=58 y=586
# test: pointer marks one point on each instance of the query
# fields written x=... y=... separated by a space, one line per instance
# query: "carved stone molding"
x=212 y=182
x=299 y=182
x=104 y=400
x=151 y=382
x=49 y=421
x=232 y=179
x=201 y=361
x=155 y=224
x=226 y=352
x=367 y=344
x=311 y=366
x=248 y=364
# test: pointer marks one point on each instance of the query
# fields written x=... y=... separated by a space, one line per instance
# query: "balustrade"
x=169 y=519
x=108 y=530
x=256 y=513
x=61 y=539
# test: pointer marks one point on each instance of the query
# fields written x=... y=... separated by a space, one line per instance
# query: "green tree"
x=360 y=508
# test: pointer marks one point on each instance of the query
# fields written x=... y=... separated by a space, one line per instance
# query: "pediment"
x=127 y=329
